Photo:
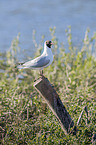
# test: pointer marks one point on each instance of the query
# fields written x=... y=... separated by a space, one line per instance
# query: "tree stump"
x=45 y=89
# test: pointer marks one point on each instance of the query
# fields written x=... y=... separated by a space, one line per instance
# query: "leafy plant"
x=24 y=116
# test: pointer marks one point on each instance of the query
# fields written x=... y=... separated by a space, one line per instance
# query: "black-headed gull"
x=42 y=61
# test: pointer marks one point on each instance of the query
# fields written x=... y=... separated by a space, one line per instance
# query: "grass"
x=24 y=116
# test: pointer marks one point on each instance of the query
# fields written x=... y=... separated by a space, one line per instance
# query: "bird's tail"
x=20 y=66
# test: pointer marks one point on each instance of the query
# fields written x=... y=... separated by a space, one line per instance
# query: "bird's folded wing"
x=37 y=62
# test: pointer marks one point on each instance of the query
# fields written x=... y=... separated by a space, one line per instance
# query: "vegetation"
x=24 y=116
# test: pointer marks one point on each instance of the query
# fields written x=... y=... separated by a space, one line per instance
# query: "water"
x=26 y=15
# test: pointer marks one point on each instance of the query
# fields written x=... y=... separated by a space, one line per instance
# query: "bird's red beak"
x=52 y=43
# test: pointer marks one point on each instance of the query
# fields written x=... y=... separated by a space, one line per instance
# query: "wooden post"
x=46 y=90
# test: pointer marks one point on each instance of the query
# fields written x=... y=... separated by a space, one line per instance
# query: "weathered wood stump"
x=46 y=90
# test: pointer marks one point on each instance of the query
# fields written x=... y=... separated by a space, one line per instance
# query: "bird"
x=42 y=61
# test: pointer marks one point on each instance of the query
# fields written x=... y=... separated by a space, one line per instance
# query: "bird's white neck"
x=47 y=50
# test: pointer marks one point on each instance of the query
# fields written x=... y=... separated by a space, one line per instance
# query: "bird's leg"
x=41 y=72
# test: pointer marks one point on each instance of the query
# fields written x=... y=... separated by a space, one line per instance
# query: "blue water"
x=26 y=15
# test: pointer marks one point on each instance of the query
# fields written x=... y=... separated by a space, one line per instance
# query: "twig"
x=86 y=111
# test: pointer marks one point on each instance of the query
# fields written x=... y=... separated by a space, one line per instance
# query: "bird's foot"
x=41 y=72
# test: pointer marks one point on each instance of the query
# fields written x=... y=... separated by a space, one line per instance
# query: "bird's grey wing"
x=38 y=62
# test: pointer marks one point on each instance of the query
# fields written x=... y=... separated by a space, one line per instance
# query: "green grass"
x=25 y=117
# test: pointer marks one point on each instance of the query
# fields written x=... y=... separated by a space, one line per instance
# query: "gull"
x=42 y=61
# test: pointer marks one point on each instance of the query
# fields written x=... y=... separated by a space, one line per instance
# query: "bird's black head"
x=49 y=43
